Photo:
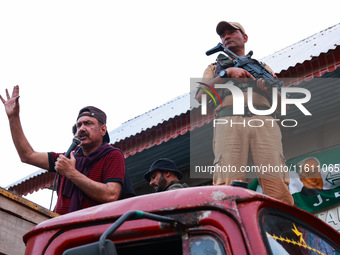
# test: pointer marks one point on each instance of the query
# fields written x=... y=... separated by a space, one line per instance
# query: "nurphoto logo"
x=239 y=108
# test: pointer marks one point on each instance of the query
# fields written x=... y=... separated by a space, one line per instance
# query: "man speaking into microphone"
x=95 y=171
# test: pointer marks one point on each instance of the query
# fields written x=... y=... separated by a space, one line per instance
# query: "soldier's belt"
x=228 y=111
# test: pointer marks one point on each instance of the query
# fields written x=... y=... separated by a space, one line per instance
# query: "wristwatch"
x=223 y=73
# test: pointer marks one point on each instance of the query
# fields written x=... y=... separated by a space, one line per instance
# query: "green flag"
x=314 y=180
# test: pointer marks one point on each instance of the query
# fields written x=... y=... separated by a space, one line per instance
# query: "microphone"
x=75 y=142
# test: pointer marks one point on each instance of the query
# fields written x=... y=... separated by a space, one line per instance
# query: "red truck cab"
x=198 y=220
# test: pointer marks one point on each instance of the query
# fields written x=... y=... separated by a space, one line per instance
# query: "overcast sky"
x=125 y=57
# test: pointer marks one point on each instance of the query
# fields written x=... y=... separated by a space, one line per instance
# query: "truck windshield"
x=283 y=235
x=205 y=245
x=165 y=246
x=199 y=245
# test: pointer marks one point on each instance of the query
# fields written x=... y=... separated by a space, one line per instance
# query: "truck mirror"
x=93 y=249
x=107 y=247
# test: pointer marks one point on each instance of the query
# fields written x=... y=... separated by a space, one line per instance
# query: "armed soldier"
x=235 y=145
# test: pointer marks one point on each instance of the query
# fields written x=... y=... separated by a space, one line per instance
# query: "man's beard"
x=162 y=183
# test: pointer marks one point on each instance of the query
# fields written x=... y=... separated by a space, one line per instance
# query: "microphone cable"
x=75 y=142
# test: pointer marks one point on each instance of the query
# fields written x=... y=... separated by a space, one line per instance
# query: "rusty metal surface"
x=231 y=213
x=27 y=203
x=221 y=197
x=216 y=223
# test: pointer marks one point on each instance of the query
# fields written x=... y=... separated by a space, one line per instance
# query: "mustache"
x=83 y=133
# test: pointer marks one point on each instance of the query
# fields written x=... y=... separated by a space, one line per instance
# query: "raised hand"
x=12 y=103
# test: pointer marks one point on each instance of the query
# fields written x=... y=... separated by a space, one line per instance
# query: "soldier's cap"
x=96 y=113
x=163 y=164
x=223 y=25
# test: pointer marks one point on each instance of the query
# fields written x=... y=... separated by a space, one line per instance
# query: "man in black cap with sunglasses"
x=95 y=171
x=163 y=175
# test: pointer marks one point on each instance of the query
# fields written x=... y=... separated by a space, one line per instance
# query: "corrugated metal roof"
x=299 y=52
x=38 y=180
x=304 y=50
x=175 y=107
x=36 y=173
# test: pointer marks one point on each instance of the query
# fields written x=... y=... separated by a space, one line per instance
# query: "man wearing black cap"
x=95 y=171
x=233 y=144
x=163 y=175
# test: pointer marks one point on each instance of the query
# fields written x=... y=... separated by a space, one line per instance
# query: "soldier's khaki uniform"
x=233 y=144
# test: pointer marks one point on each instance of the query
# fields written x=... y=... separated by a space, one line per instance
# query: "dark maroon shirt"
x=110 y=168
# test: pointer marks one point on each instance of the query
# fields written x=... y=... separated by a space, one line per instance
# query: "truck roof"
x=220 y=197
x=244 y=219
